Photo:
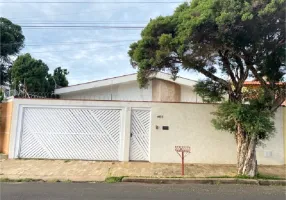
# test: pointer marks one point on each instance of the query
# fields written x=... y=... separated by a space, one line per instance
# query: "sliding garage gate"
x=70 y=133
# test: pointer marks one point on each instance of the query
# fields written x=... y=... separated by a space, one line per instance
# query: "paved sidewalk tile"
x=98 y=171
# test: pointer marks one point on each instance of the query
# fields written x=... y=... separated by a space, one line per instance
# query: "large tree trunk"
x=246 y=153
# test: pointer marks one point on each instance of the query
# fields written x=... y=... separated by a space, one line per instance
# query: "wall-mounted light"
x=160 y=116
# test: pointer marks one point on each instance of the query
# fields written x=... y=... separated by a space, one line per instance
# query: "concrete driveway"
x=130 y=191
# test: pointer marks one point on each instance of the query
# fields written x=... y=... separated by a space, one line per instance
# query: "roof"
x=120 y=80
x=258 y=83
x=254 y=83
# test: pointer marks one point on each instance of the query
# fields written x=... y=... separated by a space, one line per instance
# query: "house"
x=126 y=88
x=124 y=131
x=147 y=126
x=256 y=84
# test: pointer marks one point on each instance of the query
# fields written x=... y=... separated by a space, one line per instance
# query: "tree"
x=228 y=42
x=58 y=79
x=11 y=42
x=30 y=72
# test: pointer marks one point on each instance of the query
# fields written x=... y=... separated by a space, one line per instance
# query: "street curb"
x=3 y=156
x=203 y=181
x=272 y=182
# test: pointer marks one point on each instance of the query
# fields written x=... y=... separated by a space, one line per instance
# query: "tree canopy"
x=30 y=72
x=58 y=78
x=216 y=37
x=229 y=42
x=11 y=42
x=34 y=75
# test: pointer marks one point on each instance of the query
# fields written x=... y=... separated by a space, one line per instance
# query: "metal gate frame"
x=16 y=142
x=149 y=131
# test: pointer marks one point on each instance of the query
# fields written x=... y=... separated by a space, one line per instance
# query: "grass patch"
x=259 y=176
x=114 y=179
x=34 y=180
x=269 y=177
x=53 y=181
x=221 y=177
x=5 y=180
x=20 y=180
x=66 y=181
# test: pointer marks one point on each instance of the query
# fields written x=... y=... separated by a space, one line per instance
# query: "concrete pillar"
x=125 y=139
x=5 y=127
x=284 y=130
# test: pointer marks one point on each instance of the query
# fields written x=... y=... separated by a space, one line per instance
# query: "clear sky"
x=88 y=53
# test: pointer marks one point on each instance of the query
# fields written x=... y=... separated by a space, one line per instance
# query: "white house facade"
x=126 y=88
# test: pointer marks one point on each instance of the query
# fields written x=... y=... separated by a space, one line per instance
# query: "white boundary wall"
x=189 y=124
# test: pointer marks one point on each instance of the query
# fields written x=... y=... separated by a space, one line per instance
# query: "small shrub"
x=113 y=179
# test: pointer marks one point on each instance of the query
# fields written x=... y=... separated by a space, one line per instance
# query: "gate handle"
x=131 y=134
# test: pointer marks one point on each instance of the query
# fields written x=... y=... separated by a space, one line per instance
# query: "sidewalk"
x=98 y=171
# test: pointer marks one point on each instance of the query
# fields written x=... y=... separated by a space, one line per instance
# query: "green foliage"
x=4 y=73
x=34 y=75
x=12 y=41
x=58 y=78
x=114 y=179
x=210 y=91
x=20 y=180
x=203 y=34
x=258 y=176
x=228 y=42
x=1 y=96
x=255 y=118
x=268 y=177
x=31 y=72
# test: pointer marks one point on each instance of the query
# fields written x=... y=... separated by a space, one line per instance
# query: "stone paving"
x=98 y=171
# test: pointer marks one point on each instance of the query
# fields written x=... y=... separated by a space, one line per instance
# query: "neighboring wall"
x=129 y=91
x=284 y=120
x=6 y=116
x=189 y=124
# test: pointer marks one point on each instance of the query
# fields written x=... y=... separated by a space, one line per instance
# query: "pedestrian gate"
x=140 y=135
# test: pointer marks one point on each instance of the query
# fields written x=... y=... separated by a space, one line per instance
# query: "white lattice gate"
x=71 y=133
x=140 y=135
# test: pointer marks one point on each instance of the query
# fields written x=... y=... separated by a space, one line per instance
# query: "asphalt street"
x=133 y=191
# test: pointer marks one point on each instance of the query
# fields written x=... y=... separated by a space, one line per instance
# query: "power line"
x=99 y=48
x=71 y=43
x=80 y=22
x=82 y=27
x=91 y=2
x=77 y=13
x=85 y=25
x=39 y=20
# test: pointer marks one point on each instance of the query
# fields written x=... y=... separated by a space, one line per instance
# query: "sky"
x=88 y=53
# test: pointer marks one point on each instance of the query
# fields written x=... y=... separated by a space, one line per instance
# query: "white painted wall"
x=129 y=91
x=189 y=124
x=188 y=94
x=269 y=152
